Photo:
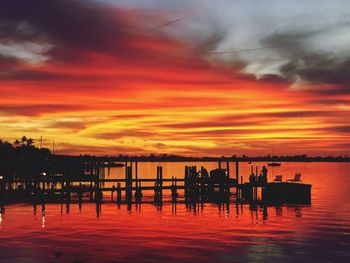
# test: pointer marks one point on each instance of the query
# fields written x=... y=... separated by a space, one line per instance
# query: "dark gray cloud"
x=74 y=29
x=306 y=64
x=84 y=32
x=80 y=24
x=341 y=89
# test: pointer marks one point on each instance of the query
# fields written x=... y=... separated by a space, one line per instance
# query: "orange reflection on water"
x=176 y=232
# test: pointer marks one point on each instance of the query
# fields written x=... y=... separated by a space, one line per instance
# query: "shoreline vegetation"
x=25 y=147
x=23 y=158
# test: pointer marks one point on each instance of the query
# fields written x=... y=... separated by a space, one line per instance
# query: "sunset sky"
x=190 y=77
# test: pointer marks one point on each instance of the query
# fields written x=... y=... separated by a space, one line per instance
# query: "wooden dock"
x=197 y=185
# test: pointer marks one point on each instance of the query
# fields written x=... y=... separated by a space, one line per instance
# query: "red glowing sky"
x=107 y=78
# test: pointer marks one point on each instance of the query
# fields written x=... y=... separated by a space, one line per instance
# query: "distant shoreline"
x=175 y=158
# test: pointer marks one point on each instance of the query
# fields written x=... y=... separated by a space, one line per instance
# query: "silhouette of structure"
x=34 y=175
x=198 y=186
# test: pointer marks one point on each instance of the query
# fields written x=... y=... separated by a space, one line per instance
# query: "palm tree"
x=30 y=142
x=23 y=140
x=17 y=143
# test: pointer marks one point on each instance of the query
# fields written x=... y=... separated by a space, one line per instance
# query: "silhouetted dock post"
x=161 y=182
x=174 y=193
x=65 y=190
x=96 y=187
x=228 y=178
x=101 y=175
x=196 y=190
x=192 y=184
x=91 y=188
x=188 y=176
x=62 y=189
x=158 y=182
x=155 y=189
x=203 y=185
x=68 y=191
x=228 y=169
x=98 y=190
x=156 y=186
x=241 y=190
x=219 y=164
x=80 y=195
x=237 y=181
x=186 y=183
x=138 y=193
x=126 y=178
x=99 y=195
x=136 y=175
x=136 y=172
x=256 y=183
x=119 y=193
x=256 y=193
x=113 y=190
x=128 y=183
x=158 y=190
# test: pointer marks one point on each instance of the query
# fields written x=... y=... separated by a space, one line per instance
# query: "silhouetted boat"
x=274 y=164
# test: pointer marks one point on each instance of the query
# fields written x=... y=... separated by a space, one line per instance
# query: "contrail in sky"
x=168 y=23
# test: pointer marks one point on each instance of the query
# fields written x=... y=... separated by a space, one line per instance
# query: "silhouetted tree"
x=22 y=157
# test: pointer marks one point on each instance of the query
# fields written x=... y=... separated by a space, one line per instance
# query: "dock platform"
x=197 y=185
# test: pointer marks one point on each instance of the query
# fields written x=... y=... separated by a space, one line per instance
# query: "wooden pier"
x=197 y=186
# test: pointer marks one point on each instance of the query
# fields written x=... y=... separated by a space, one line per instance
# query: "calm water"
x=212 y=233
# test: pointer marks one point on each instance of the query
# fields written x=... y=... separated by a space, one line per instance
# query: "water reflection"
x=279 y=211
x=43 y=216
x=185 y=232
x=223 y=209
x=220 y=228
